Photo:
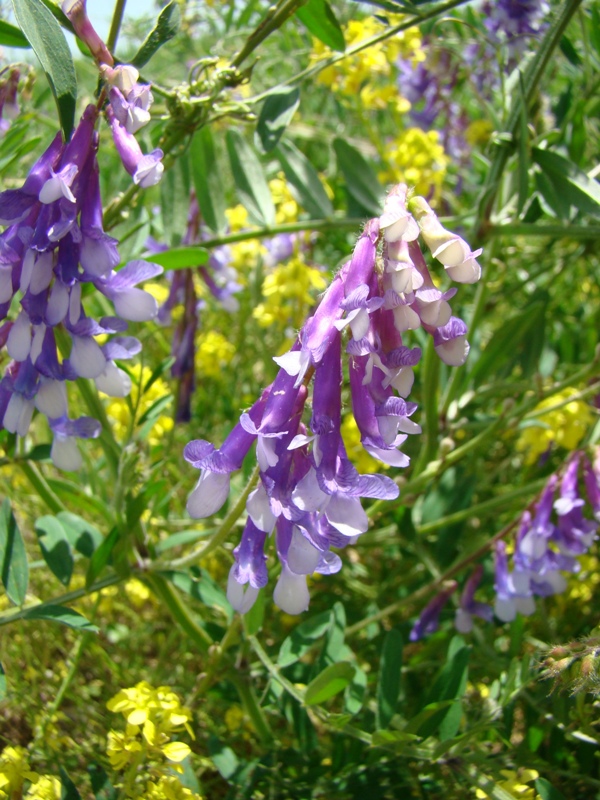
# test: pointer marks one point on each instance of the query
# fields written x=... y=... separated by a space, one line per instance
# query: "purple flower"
x=77 y=14
x=309 y=492
x=429 y=619
x=146 y=170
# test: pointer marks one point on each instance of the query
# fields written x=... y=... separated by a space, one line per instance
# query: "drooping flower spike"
x=54 y=245
x=309 y=493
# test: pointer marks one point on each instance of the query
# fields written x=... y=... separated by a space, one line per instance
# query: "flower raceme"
x=309 y=493
x=55 y=245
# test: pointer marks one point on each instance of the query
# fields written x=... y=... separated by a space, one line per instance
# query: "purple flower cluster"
x=547 y=545
x=515 y=21
x=429 y=88
x=53 y=246
x=309 y=492
x=220 y=279
x=129 y=101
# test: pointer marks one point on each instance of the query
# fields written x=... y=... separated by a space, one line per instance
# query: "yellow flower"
x=515 y=783
x=213 y=353
x=47 y=788
x=289 y=292
x=565 y=426
x=357 y=454
x=14 y=770
x=168 y=788
x=122 y=748
x=237 y=217
x=417 y=158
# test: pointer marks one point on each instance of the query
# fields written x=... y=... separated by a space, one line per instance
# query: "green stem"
x=37 y=480
x=565 y=231
x=274 y=19
x=274 y=671
x=480 y=508
x=531 y=79
x=9 y=616
x=431 y=380
x=410 y=22
x=115 y=25
x=351 y=223
x=179 y=611
x=222 y=532
x=107 y=441
x=253 y=709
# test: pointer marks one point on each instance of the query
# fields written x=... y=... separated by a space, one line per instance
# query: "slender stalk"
x=9 y=616
x=37 y=480
x=179 y=611
x=431 y=379
x=274 y=19
x=352 y=223
x=115 y=25
x=565 y=231
x=222 y=532
x=253 y=709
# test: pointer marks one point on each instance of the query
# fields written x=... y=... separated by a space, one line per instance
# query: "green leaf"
x=276 y=114
x=101 y=557
x=303 y=637
x=181 y=257
x=182 y=537
x=450 y=685
x=304 y=178
x=546 y=791
x=569 y=51
x=553 y=202
x=165 y=28
x=66 y=616
x=56 y=548
x=330 y=682
x=208 y=182
x=11 y=36
x=85 y=538
x=13 y=557
x=318 y=17
x=68 y=790
x=388 y=688
x=50 y=46
x=569 y=181
x=395 y=739
x=2 y=683
x=101 y=785
x=523 y=164
x=595 y=28
x=250 y=180
x=361 y=181
x=199 y=585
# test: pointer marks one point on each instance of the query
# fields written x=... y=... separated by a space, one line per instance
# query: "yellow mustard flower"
x=515 y=783
x=14 y=771
x=237 y=217
x=289 y=291
x=47 y=788
x=564 y=426
x=118 y=408
x=123 y=747
x=417 y=158
x=286 y=208
x=213 y=353
x=168 y=787
x=357 y=454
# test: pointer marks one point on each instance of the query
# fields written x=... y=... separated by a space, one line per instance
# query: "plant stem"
x=179 y=611
x=253 y=709
x=352 y=223
x=274 y=19
x=9 y=616
x=37 y=480
x=115 y=24
x=222 y=532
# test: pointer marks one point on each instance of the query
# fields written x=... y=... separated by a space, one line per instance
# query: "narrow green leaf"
x=180 y=257
x=182 y=537
x=388 y=688
x=330 y=682
x=571 y=182
x=199 y=585
x=595 y=28
x=546 y=791
x=2 y=683
x=68 y=790
x=250 y=180
x=101 y=785
x=552 y=201
x=361 y=181
x=41 y=452
x=397 y=739
x=11 y=36
x=276 y=114
x=208 y=182
x=55 y=547
x=569 y=51
x=450 y=685
x=523 y=165
x=303 y=637
x=50 y=46
x=165 y=28
x=318 y=17
x=66 y=616
x=101 y=557
x=304 y=178
x=13 y=557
